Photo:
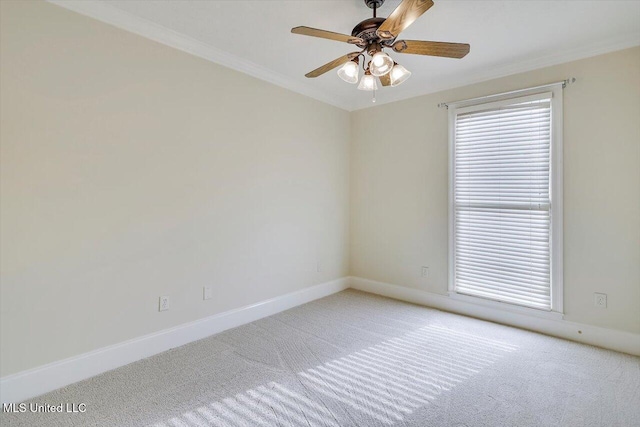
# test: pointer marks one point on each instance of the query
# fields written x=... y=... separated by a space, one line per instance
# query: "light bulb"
x=349 y=71
x=381 y=64
x=398 y=75
x=368 y=82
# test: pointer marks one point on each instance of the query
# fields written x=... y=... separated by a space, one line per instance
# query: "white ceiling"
x=506 y=37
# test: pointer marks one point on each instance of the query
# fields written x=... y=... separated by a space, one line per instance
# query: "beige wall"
x=131 y=170
x=399 y=187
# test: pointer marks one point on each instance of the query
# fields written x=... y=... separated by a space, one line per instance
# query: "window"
x=505 y=198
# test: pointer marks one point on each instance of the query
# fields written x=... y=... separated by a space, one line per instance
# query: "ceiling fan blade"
x=331 y=65
x=386 y=79
x=419 y=47
x=403 y=16
x=314 y=32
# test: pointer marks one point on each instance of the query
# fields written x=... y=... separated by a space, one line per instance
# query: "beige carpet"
x=355 y=359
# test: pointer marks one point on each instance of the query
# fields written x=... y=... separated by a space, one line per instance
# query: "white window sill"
x=504 y=306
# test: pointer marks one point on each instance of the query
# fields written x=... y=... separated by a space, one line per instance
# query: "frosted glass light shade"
x=368 y=82
x=349 y=72
x=398 y=75
x=381 y=64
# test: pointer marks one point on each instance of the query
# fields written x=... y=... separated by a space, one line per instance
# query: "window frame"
x=555 y=195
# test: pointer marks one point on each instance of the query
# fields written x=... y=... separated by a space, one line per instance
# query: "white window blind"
x=502 y=225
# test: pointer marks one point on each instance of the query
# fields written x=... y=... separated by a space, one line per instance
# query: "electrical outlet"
x=164 y=303
x=600 y=300
x=207 y=293
x=425 y=271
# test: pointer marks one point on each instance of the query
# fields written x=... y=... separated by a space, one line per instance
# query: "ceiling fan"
x=375 y=34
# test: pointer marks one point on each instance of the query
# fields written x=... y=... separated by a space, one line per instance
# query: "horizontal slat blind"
x=502 y=223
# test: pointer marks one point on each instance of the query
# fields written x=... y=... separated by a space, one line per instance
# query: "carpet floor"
x=356 y=359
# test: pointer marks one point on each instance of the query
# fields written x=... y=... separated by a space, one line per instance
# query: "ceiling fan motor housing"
x=366 y=30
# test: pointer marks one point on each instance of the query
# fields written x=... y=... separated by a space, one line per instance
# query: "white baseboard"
x=34 y=382
x=625 y=342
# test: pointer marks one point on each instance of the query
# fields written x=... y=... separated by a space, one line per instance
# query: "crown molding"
x=111 y=15
x=491 y=73
x=106 y=13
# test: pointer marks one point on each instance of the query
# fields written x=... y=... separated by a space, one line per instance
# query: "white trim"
x=42 y=379
x=106 y=13
x=33 y=382
x=505 y=306
x=557 y=200
x=497 y=101
x=555 y=91
x=503 y=96
x=535 y=63
x=452 y=171
x=623 y=341
x=490 y=73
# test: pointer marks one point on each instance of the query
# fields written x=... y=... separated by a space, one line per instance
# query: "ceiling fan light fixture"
x=373 y=36
x=398 y=74
x=349 y=71
x=381 y=64
x=368 y=82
